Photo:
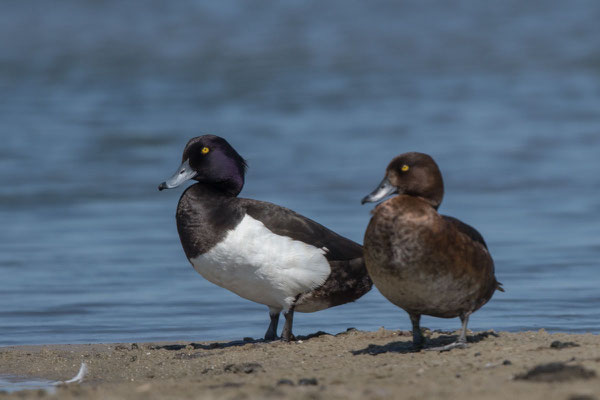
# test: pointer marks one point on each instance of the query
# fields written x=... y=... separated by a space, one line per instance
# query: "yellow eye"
x=405 y=168
x=205 y=150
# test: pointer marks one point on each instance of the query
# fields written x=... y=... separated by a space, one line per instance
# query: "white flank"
x=259 y=265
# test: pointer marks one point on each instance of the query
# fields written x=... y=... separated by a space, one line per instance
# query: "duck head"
x=210 y=159
x=413 y=174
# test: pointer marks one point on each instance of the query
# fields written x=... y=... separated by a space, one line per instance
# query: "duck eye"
x=205 y=150
x=405 y=168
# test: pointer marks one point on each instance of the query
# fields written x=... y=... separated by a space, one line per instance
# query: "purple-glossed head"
x=210 y=159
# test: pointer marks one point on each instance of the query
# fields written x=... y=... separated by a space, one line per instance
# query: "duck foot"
x=288 y=338
x=461 y=343
x=448 y=347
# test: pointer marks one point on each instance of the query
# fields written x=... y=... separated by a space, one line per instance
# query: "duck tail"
x=499 y=286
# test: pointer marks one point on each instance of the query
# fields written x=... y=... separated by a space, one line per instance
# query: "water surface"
x=99 y=98
x=15 y=383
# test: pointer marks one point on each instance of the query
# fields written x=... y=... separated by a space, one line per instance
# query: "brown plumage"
x=422 y=261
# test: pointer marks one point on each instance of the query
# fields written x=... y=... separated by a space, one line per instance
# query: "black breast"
x=204 y=216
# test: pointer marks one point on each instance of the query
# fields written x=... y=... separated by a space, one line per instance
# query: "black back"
x=285 y=222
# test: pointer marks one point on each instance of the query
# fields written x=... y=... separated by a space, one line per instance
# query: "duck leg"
x=287 y=334
x=272 y=331
x=461 y=342
x=418 y=339
x=463 y=332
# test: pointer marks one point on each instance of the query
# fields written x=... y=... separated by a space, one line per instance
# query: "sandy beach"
x=347 y=365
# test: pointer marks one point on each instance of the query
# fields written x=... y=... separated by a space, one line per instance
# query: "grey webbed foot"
x=448 y=347
x=288 y=338
x=461 y=343
x=416 y=347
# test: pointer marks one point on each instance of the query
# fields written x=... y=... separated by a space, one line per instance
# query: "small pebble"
x=582 y=397
x=285 y=382
x=557 y=344
x=556 y=372
x=308 y=382
x=246 y=368
x=506 y=362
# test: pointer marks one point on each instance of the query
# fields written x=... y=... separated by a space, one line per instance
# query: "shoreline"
x=352 y=364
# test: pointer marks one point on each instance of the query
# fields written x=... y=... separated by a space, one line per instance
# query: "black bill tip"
x=162 y=186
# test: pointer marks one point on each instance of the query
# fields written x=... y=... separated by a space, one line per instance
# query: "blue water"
x=99 y=98
x=15 y=383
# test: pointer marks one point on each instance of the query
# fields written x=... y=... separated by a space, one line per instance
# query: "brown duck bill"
x=183 y=174
x=384 y=189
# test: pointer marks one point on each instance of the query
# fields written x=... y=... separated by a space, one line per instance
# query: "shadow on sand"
x=405 y=347
x=234 y=343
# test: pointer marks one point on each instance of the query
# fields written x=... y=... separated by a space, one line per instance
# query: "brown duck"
x=424 y=262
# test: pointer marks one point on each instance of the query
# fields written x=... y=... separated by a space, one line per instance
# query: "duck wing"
x=473 y=234
x=466 y=229
x=285 y=222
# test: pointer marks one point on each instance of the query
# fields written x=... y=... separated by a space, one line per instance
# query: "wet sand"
x=349 y=365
